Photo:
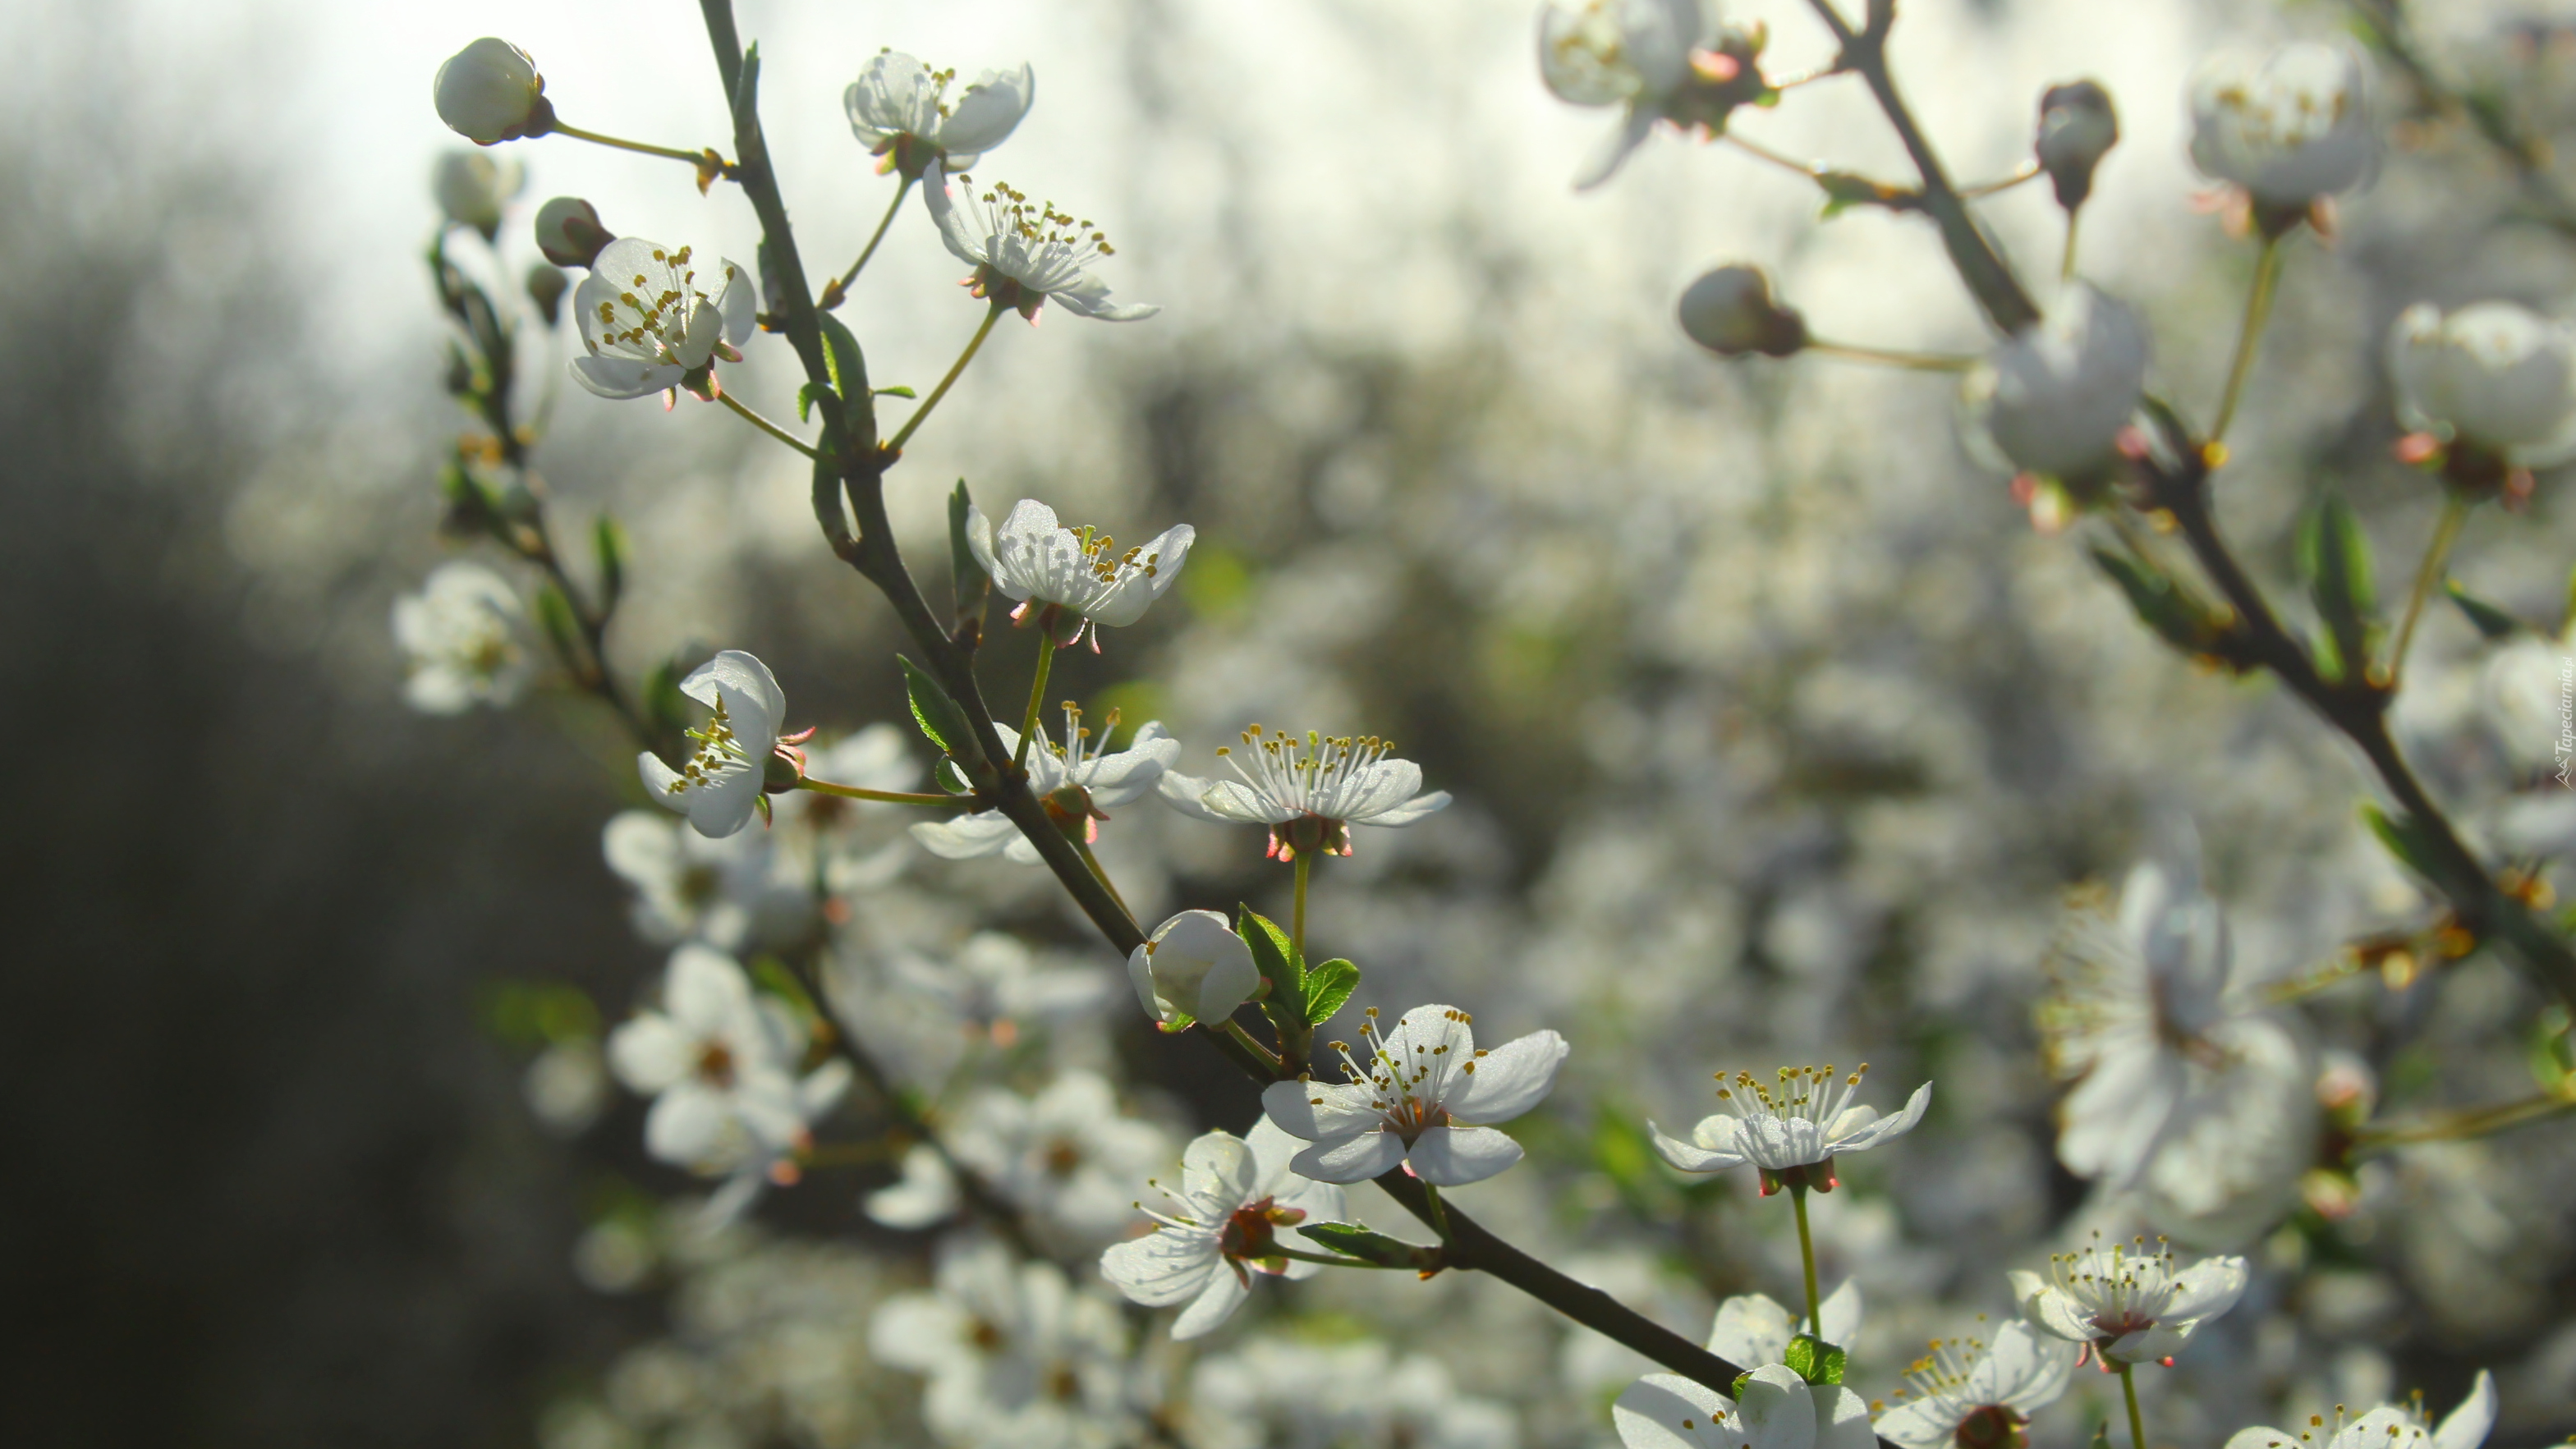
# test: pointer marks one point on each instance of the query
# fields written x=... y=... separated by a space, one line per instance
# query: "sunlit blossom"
x=1023 y=255
x=1309 y=792
x=1790 y=1130
x=2129 y=1301
x=1419 y=1094
x=900 y=109
x=1238 y=1204
x=649 y=324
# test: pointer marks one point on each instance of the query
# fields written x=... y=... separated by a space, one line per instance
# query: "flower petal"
x=1315 y=1110
x=1089 y=297
x=955 y=231
x=1751 y=1330
x=988 y=111
x=1776 y=1410
x=1919 y=1424
x=1355 y=1158
x=687 y=1125
x=650 y=1053
x=625 y=377
x=2468 y=1425
x=1455 y=1156
x=2050 y=1308
x=1164 y=1267
x=1652 y=1412
x=1499 y=1085
x=2206 y=1289
x=1714 y=1150
x=1408 y=811
x=1631 y=134
x=1216 y=1303
x=1841 y=1314
x=1885 y=1127
x=968 y=837
x=1842 y=1418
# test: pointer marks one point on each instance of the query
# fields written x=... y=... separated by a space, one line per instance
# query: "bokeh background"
x=1775 y=729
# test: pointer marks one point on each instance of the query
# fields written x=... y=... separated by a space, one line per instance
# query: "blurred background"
x=1775 y=729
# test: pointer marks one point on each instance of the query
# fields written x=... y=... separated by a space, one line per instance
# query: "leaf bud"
x=546 y=287
x=2077 y=126
x=490 y=92
x=569 y=232
x=1731 y=312
x=470 y=187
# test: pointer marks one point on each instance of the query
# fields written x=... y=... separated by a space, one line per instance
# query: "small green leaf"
x=2334 y=557
x=771 y=975
x=941 y=721
x=609 y=541
x=1353 y=1241
x=1813 y=1359
x=2165 y=606
x=968 y=585
x=805 y=396
x=896 y=392
x=1327 y=987
x=2492 y=622
x=945 y=772
x=554 y=611
x=1277 y=960
x=2404 y=838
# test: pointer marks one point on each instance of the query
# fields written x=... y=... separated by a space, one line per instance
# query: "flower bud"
x=490 y=92
x=2290 y=127
x=569 y=233
x=2492 y=374
x=1194 y=967
x=2076 y=127
x=1731 y=312
x=470 y=188
x=546 y=286
x=2053 y=398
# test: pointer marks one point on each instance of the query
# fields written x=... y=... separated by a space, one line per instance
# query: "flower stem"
x=1750 y=147
x=1439 y=1210
x=1889 y=357
x=2129 y=1391
x=2456 y=1126
x=2258 y=310
x=1807 y=1256
x=694 y=158
x=1234 y=1029
x=1305 y=865
x=1083 y=849
x=895 y=444
x=2066 y=266
x=2027 y=170
x=2437 y=559
x=852 y=275
x=765 y=425
x=890 y=797
x=1037 y=697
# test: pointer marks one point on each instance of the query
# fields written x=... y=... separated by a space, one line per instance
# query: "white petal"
x=1751 y=1330
x=625 y=377
x=1918 y=1424
x=1713 y=1149
x=1842 y=1418
x=1164 y=1267
x=2030 y=1369
x=955 y=232
x=687 y=1124
x=1355 y=1158
x=1216 y=1303
x=752 y=680
x=658 y=779
x=988 y=111
x=706 y=993
x=1315 y=1110
x=1089 y=297
x=2468 y=1425
x=1650 y=1413
x=1455 y=1156
x=1631 y=134
x=649 y=1053
x=739 y=303
x=1777 y=1411
x=2206 y=1289
x=2051 y=1309
x=1886 y=1127
x=2115 y=1117
x=1219 y=1168
x=1841 y=1314
x=1507 y=1081
x=968 y=837
x=1408 y=811
x=2259 y=1437
x=925 y=1195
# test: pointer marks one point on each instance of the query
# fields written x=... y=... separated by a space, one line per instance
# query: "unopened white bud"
x=470 y=188
x=1194 y=966
x=2290 y=127
x=2077 y=127
x=1731 y=312
x=2054 y=398
x=546 y=287
x=569 y=233
x=490 y=92
x=2494 y=374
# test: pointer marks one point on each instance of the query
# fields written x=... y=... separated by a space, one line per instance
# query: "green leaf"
x=1813 y=1359
x=945 y=772
x=941 y=721
x=849 y=369
x=771 y=975
x=1277 y=959
x=2404 y=838
x=1327 y=987
x=896 y=392
x=2334 y=557
x=1353 y=1241
x=2163 y=605
x=609 y=541
x=2492 y=622
x=968 y=585
x=554 y=611
x=805 y=396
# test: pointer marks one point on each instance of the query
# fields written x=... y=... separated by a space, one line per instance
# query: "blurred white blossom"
x=1630 y=53
x=1778 y=1410
x=1752 y=1330
x=1016 y=1356
x=463 y=632
x=2389 y=1426
x=724 y=1066
x=2290 y=127
x=1067 y=1157
x=2493 y=374
x=1277 y=1393
x=2053 y=399
x=471 y=186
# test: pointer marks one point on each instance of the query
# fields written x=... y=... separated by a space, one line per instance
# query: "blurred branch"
x=1989 y=277
x=2384 y=23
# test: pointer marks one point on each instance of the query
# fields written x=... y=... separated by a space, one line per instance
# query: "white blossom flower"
x=993 y=986
x=463 y=633
x=470 y=188
x=2132 y=1305
x=566 y=1085
x=1238 y=1204
x=1791 y=1133
x=1073 y=578
x=490 y=92
x=648 y=327
x=2053 y=398
x=1421 y=1095
x=720 y=786
x=1024 y=255
x=722 y=1066
x=1193 y=968
x=899 y=109
x=1078 y=781
x=834 y=845
x=2289 y=127
x=2493 y=374
x=1277 y=1393
x=1308 y=792
x=923 y=1196
x=1016 y=1356
x=1067 y=1157
x=728 y=892
x=1752 y=1330
x=1778 y=1410
x=2521 y=688
x=2389 y=1426
x=1632 y=53
x=1970 y=1392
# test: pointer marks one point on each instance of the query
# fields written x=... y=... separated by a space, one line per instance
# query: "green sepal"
x=1279 y=966
x=1327 y=987
x=554 y=611
x=1813 y=1359
x=896 y=392
x=2334 y=558
x=946 y=773
x=941 y=721
x=805 y=396
x=609 y=542
x=2165 y=606
x=1353 y=1241
x=849 y=369
x=2492 y=622
x=1736 y=1391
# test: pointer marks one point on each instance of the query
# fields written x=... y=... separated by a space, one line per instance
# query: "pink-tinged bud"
x=490 y=92
x=569 y=232
x=1731 y=312
x=2077 y=126
x=546 y=286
